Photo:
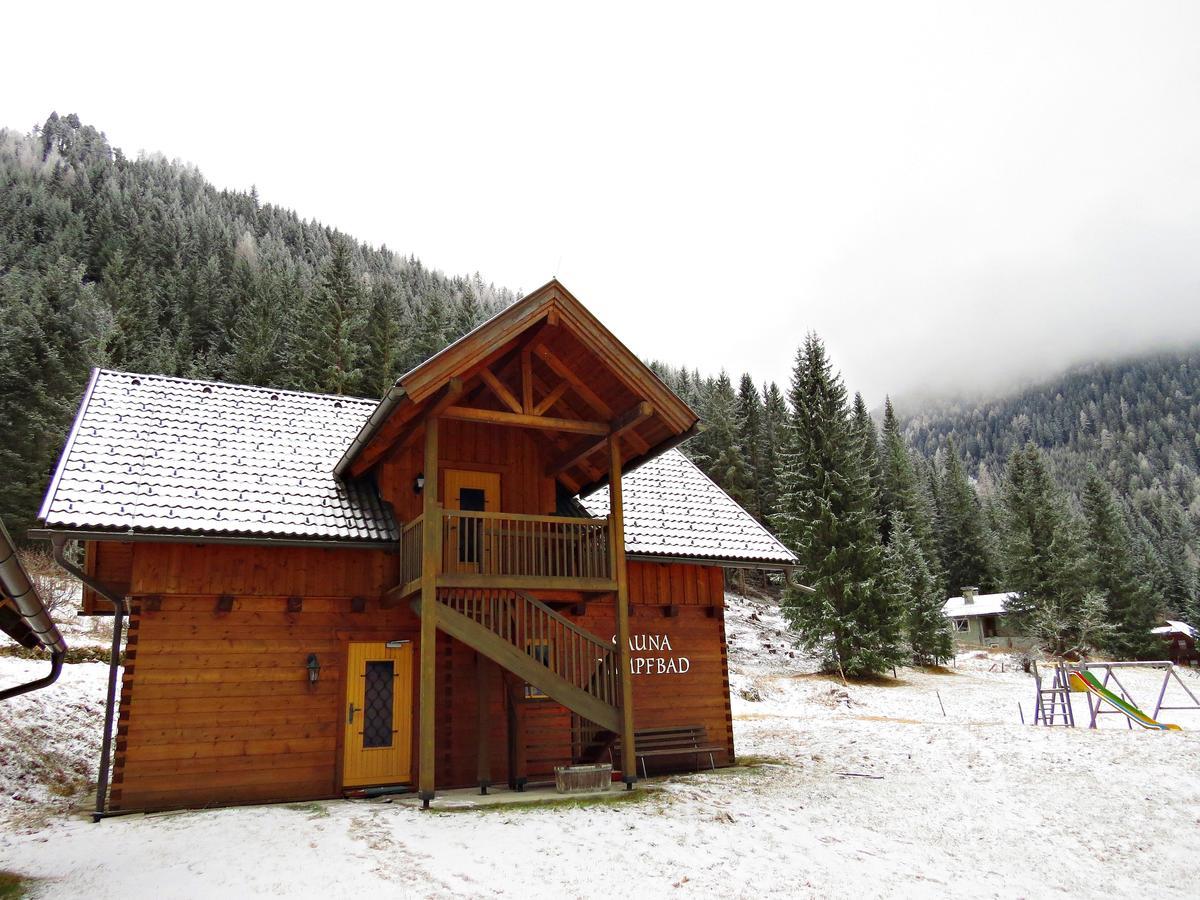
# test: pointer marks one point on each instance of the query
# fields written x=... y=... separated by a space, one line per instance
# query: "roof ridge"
x=232 y=384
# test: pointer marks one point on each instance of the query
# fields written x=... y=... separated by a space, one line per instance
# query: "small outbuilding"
x=979 y=620
x=1180 y=640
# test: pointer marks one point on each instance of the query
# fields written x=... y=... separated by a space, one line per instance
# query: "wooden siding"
x=216 y=708
x=112 y=563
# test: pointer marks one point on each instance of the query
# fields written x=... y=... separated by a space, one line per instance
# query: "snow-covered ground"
x=965 y=803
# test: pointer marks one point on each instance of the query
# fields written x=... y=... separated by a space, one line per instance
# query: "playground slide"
x=1086 y=681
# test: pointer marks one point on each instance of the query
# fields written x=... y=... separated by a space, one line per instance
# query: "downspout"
x=29 y=607
x=120 y=610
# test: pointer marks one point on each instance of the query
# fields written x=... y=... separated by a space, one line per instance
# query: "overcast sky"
x=950 y=194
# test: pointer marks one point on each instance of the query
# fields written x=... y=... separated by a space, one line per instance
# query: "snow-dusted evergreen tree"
x=917 y=591
x=827 y=517
x=774 y=438
x=726 y=462
x=966 y=552
x=1130 y=606
x=750 y=439
x=901 y=492
x=333 y=323
x=1044 y=560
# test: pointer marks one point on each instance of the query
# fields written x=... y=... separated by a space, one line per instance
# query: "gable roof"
x=672 y=509
x=982 y=605
x=602 y=378
x=152 y=454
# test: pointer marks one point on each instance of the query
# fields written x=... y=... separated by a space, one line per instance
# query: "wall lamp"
x=419 y=483
x=314 y=668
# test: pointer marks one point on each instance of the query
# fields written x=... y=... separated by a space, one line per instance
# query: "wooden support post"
x=483 y=682
x=616 y=542
x=431 y=564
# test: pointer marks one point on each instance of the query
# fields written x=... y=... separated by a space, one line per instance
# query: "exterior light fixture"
x=419 y=483
x=314 y=668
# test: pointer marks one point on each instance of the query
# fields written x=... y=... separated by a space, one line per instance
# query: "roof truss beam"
x=627 y=421
x=521 y=420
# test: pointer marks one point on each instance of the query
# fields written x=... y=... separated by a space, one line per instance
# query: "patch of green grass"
x=752 y=761
x=567 y=801
x=14 y=886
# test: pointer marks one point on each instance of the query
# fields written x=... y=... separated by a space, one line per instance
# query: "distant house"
x=978 y=620
x=1180 y=638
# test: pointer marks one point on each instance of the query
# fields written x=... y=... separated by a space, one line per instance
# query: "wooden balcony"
x=508 y=550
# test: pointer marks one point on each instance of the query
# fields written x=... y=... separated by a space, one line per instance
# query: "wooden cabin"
x=500 y=568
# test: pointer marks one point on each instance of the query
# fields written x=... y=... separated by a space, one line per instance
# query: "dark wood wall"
x=216 y=707
x=519 y=459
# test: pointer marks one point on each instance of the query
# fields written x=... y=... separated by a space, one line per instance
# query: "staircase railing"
x=570 y=652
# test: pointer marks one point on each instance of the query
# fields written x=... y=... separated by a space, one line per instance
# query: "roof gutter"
x=167 y=537
x=32 y=612
x=120 y=610
x=380 y=415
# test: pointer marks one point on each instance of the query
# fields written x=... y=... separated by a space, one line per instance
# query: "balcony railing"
x=507 y=550
x=508 y=545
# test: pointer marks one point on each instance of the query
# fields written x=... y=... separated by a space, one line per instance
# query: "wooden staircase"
x=546 y=650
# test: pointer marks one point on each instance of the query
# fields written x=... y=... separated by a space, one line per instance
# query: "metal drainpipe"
x=120 y=610
x=29 y=606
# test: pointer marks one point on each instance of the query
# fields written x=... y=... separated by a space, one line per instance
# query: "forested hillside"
x=141 y=264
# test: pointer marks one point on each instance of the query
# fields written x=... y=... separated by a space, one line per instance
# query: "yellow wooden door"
x=468 y=544
x=378 y=745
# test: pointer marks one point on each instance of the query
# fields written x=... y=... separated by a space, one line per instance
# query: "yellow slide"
x=1086 y=681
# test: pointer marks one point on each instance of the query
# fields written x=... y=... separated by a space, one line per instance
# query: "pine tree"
x=725 y=463
x=750 y=439
x=827 y=517
x=965 y=549
x=1045 y=562
x=333 y=327
x=902 y=492
x=1129 y=604
x=383 y=341
x=919 y=594
x=774 y=437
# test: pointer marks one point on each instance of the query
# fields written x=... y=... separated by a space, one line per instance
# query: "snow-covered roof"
x=154 y=454
x=673 y=509
x=151 y=454
x=1173 y=627
x=982 y=605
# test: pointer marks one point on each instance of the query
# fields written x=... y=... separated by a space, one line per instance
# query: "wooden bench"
x=681 y=740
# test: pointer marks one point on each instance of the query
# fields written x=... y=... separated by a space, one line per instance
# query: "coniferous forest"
x=141 y=264
x=1082 y=494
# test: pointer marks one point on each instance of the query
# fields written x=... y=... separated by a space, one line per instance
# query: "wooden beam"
x=520 y=420
x=631 y=418
x=562 y=370
x=526 y=582
x=450 y=394
x=483 y=721
x=526 y=381
x=551 y=398
x=616 y=543
x=431 y=558
x=498 y=388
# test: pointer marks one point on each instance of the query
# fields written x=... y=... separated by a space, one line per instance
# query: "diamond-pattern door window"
x=378 y=704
